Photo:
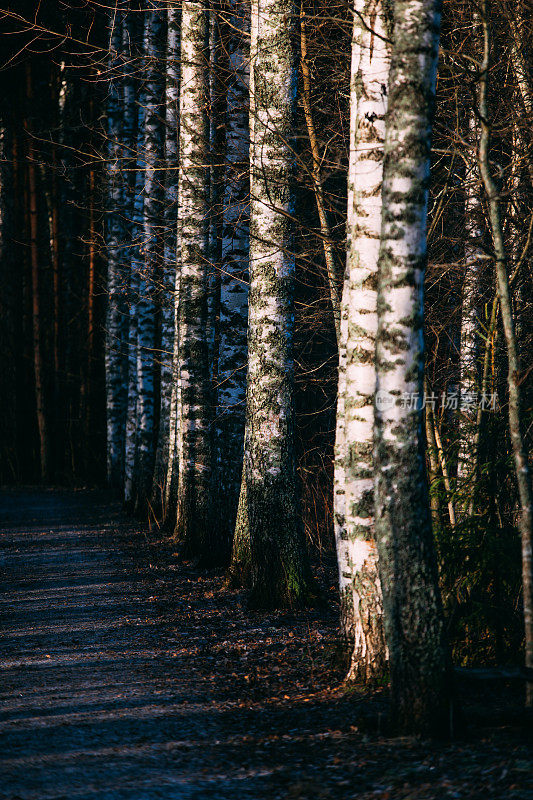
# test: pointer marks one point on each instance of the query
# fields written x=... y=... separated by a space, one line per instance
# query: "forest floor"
x=125 y=674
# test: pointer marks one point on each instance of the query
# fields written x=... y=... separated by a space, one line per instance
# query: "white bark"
x=356 y=550
x=194 y=453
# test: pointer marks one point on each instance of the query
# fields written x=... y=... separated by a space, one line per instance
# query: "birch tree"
x=152 y=154
x=360 y=592
x=268 y=509
x=414 y=625
x=474 y=259
x=166 y=440
x=194 y=438
x=232 y=351
x=469 y=354
x=130 y=448
x=115 y=357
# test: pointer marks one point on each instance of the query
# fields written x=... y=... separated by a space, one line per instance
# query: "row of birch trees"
x=200 y=327
x=291 y=277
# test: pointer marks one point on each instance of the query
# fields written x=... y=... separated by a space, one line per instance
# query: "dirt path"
x=126 y=675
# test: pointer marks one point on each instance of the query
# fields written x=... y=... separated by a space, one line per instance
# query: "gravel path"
x=127 y=677
x=91 y=707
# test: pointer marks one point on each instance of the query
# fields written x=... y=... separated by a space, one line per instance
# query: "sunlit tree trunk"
x=414 y=624
x=269 y=505
x=232 y=350
x=194 y=453
x=164 y=464
x=360 y=592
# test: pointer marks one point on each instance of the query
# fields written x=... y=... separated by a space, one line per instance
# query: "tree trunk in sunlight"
x=360 y=591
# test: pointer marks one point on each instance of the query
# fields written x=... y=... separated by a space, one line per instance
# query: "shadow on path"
x=126 y=675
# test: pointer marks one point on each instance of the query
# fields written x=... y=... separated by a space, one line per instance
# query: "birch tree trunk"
x=269 y=505
x=232 y=350
x=193 y=495
x=131 y=449
x=241 y=559
x=414 y=625
x=474 y=258
x=360 y=591
x=115 y=393
x=152 y=153
x=214 y=224
x=121 y=130
x=164 y=462
x=513 y=374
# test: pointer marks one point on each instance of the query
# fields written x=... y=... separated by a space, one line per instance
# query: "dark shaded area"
x=125 y=675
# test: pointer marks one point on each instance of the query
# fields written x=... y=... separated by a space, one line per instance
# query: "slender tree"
x=194 y=423
x=232 y=349
x=166 y=441
x=325 y=229
x=38 y=367
x=152 y=155
x=414 y=625
x=131 y=450
x=513 y=363
x=115 y=358
x=474 y=259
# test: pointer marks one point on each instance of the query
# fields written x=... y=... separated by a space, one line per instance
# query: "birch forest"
x=266 y=297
